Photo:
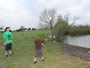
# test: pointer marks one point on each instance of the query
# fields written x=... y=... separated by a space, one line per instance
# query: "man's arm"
x=4 y=42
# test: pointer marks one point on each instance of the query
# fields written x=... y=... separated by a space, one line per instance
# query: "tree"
x=43 y=26
x=22 y=28
x=1 y=28
x=29 y=29
x=75 y=18
x=67 y=18
x=47 y=19
x=33 y=28
x=62 y=26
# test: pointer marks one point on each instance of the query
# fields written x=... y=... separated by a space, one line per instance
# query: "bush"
x=60 y=29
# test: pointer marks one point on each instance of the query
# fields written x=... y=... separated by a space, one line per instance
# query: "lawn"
x=23 y=49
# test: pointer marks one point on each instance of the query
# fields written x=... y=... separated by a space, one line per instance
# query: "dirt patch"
x=76 y=51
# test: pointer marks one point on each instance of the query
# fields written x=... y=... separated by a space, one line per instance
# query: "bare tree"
x=47 y=18
x=75 y=18
x=67 y=18
x=43 y=26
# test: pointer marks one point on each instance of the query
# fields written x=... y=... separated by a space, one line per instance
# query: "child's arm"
x=42 y=43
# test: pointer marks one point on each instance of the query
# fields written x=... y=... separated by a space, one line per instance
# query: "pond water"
x=83 y=41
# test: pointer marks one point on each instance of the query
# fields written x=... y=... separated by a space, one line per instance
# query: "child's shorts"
x=38 y=53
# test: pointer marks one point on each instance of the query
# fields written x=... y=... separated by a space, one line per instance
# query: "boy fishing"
x=8 y=41
x=38 y=51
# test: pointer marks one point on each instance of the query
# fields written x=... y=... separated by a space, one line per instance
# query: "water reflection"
x=83 y=41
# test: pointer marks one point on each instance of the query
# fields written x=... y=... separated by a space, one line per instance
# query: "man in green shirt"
x=8 y=41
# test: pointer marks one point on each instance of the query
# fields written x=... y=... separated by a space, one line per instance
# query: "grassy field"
x=24 y=53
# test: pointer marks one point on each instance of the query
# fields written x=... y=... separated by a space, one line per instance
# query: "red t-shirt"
x=38 y=44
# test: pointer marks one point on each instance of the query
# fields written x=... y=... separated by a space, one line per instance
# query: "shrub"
x=60 y=29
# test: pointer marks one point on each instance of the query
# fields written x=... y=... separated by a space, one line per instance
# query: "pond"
x=83 y=41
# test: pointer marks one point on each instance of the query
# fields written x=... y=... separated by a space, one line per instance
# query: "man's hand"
x=4 y=44
x=13 y=43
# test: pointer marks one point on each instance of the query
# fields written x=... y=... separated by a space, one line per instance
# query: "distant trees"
x=23 y=28
x=33 y=28
x=1 y=28
x=79 y=30
x=29 y=29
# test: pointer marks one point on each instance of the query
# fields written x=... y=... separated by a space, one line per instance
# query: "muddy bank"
x=76 y=51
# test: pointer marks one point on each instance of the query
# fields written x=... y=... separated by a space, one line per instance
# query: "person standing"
x=8 y=41
x=38 y=51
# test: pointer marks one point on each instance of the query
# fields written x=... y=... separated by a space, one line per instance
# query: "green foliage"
x=79 y=30
x=60 y=29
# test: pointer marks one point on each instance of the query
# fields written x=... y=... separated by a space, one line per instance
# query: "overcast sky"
x=15 y=13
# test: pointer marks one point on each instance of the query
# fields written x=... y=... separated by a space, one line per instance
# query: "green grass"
x=24 y=53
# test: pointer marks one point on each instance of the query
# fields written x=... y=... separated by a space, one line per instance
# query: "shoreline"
x=76 y=51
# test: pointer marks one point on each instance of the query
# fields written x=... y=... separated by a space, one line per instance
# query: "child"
x=8 y=41
x=38 y=51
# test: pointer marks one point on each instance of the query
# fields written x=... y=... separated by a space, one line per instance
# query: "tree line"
x=21 y=29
